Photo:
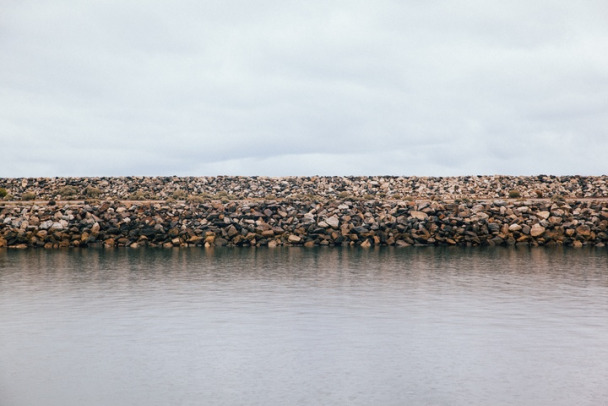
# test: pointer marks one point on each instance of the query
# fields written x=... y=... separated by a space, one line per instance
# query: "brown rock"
x=95 y=229
x=583 y=230
x=555 y=220
x=543 y=214
x=537 y=230
x=419 y=215
x=231 y=231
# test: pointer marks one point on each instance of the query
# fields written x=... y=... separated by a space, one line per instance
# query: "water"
x=304 y=327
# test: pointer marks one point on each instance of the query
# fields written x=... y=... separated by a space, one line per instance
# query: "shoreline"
x=304 y=211
x=140 y=188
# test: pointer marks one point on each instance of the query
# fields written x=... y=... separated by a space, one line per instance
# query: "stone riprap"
x=315 y=211
x=317 y=187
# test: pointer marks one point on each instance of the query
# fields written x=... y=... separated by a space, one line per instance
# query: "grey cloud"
x=272 y=88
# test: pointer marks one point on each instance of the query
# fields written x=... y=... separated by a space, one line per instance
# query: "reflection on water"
x=304 y=326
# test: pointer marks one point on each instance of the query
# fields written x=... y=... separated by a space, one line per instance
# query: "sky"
x=316 y=87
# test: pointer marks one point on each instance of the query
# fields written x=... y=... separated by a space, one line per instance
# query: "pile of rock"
x=331 y=222
x=308 y=188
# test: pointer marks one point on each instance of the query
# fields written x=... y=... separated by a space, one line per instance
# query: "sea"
x=304 y=326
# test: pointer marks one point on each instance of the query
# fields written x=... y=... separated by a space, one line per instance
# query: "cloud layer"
x=301 y=88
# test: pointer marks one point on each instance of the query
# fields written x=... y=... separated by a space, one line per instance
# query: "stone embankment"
x=364 y=212
x=305 y=188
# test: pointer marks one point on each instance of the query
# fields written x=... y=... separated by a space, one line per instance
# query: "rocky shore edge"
x=304 y=211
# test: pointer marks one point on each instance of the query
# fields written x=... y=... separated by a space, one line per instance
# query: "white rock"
x=308 y=218
x=514 y=227
x=480 y=216
x=477 y=208
x=45 y=225
x=333 y=221
x=57 y=226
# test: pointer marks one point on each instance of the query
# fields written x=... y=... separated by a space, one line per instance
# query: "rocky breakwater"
x=272 y=223
x=303 y=188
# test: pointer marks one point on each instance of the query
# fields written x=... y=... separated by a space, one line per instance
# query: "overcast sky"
x=234 y=87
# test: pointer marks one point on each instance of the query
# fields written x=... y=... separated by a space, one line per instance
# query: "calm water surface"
x=304 y=327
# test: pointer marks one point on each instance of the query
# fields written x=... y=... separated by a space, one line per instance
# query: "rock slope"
x=317 y=211
x=318 y=187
